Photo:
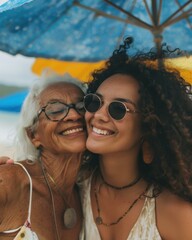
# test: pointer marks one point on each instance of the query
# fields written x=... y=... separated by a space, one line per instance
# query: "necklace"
x=99 y=220
x=135 y=181
x=69 y=216
x=51 y=195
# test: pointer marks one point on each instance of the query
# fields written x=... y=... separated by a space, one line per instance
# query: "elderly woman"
x=38 y=197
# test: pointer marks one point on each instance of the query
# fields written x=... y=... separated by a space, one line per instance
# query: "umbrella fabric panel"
x=21 y=27
x=56 y=29
x=13 y=102
x=10 y=4
x=62 y=29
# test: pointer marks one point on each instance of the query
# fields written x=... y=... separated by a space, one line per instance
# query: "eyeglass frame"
x=101 y=104
x=69 y=106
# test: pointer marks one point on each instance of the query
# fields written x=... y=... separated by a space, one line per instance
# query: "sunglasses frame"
x=101 y=103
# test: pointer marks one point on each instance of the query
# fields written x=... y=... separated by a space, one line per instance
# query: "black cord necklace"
x=135 y=181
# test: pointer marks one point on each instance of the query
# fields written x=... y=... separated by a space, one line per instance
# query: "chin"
x=78 y=148
x=94 y=148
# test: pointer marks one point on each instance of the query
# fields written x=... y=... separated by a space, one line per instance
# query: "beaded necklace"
x=99 y=219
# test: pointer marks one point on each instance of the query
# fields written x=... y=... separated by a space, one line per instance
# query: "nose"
x=73 y=115
x=102 y=113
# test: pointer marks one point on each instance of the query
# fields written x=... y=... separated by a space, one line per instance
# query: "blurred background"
x=15 y=77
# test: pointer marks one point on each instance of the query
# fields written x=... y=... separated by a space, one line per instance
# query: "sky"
x=15 y=71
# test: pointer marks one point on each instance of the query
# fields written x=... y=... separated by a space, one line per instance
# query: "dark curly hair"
x=166 y=109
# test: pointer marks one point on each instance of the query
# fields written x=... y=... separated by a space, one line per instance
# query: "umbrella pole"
x=158 y=42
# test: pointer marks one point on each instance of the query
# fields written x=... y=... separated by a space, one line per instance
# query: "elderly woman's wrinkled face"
x=68 y=134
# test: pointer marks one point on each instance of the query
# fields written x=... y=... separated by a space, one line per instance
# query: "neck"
x=63 y=169
x=119 y=169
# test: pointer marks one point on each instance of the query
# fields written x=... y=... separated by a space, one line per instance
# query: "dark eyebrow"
x=124 y=100
x=99 y=95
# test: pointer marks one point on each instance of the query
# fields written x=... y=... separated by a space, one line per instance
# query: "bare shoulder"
x=174 y=216
x=10 y=185
x=8 y=172
x=11 y=176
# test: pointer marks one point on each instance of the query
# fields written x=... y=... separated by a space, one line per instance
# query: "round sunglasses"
x=116 y=109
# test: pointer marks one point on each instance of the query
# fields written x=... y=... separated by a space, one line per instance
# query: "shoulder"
x=9 y=173
x=13 y=182
x=11 y=176
x=174 y=216
x=10 y=186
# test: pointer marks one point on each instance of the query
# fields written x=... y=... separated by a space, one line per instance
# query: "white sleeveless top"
x=144 y=229
x=25 y=232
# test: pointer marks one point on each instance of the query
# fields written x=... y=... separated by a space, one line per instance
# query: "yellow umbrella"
x=82 y=70
x=181 y=64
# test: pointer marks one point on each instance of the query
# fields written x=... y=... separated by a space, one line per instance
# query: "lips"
x=103 y=132
x=72 y=131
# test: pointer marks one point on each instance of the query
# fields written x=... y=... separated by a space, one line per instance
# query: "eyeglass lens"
x=56 y=111
x=92 y=103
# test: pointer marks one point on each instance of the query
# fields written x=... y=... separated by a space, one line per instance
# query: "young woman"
x=139 y=123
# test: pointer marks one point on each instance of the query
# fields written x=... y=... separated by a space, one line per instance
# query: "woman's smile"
x=101 y=132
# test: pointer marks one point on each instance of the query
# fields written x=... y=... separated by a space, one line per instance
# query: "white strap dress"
x=144 y=229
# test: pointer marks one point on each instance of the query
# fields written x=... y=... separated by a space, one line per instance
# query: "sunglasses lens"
x=92 y=103
x=117 y=110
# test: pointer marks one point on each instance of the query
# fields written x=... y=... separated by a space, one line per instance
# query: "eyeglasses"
x=56 y=111
x=116 y=109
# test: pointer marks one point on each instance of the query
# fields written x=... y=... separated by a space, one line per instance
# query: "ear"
x=148 y=153
x=34 y=137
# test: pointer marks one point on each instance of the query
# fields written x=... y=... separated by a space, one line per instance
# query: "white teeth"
x=100 y=132
x=71 y=131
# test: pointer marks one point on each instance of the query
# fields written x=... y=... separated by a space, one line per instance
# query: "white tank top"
x=144 y=229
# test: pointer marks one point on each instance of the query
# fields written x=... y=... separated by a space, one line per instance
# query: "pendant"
x=70 y=218
x=98 y=220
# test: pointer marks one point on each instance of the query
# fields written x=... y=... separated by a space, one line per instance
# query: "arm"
x=11 y=187
x=4 y=185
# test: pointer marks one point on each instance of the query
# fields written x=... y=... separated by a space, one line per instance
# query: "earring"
x=147 y=153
